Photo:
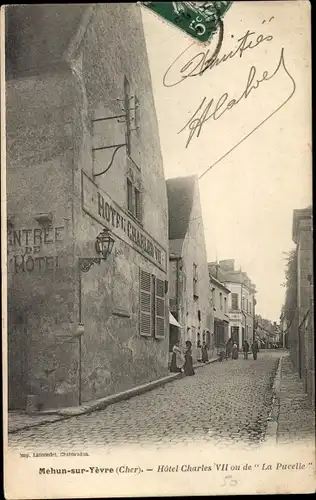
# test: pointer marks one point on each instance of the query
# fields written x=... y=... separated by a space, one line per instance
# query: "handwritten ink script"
x=215 y=109
x=204 y=60
x=187 y=66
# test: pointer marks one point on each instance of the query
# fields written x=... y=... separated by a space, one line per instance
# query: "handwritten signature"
x=207 y=111
x=203 y=61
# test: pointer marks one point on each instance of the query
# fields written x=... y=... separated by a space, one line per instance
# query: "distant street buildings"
x=241 y=300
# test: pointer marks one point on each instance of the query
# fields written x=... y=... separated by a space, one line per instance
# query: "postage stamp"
x=199 y=19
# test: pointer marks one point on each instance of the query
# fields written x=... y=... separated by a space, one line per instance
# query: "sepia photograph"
x=157 y=265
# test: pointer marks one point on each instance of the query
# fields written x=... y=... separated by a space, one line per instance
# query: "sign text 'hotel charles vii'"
x=97 y=204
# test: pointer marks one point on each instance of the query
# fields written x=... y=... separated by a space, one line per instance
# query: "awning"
x=173 y=321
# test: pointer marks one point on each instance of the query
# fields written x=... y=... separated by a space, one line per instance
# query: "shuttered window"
x=145 y=303
x=152 y=305
x=160 y=309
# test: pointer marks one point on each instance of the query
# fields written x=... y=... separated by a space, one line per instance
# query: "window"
x=195 y=282
x=213 y=297
x=242 y=303
x=249 y=307
x=137 y=204
x=235 y=305
x=225 y=304
x=129 y=196
x=134 y=200
x=221 y=301
x=152 y=306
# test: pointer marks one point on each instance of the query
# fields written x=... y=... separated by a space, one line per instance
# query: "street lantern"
x=104 y=243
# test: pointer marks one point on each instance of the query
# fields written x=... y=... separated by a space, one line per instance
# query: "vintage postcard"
x=158 y=315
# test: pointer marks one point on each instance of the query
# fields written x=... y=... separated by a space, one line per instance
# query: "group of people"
x=182 y=362
x=232 y=350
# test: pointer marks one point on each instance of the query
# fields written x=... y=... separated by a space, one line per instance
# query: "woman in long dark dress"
x=204 y=353
x=188 y=363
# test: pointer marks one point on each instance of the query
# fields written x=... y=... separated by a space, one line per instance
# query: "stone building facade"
x=220 y=299
x=241 y=301
x=301 y=334
x=83 y=155
x=189 y=291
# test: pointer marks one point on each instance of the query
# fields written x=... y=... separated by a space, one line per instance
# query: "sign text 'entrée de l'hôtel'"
x=100 y=206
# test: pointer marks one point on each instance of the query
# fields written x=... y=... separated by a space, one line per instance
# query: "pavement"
x=225 y=403
x=295 y=415
x=20 y=420
x=236 y=402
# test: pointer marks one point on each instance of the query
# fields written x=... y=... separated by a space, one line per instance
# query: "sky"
x=249 y=195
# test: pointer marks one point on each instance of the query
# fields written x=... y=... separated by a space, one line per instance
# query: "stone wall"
x=197 y=316
x=41 y=279
x=302 y=330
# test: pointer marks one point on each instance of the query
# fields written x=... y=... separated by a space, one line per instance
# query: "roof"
x=218 y=283
x=226 y=275
x=180 y=192
x=175 y=248
x=215 y=270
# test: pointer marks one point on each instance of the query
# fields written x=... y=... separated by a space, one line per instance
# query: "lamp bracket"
x=85 y=263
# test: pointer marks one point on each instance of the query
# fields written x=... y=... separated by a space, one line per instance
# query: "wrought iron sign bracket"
x=117 y=148
x=85 y=263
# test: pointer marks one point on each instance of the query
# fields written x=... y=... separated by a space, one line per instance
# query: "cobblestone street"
x=225 y=403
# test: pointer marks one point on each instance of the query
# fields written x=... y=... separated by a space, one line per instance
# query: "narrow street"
x=224 y=403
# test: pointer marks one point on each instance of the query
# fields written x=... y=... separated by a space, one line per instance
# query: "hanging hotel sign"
x=98 y=204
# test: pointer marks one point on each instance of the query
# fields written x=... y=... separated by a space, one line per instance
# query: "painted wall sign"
x=98 y=204
x=28 y=264
x=26 y=242
x=34 y=238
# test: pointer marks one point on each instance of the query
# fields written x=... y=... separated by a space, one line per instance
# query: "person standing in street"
x=235 y=351
x=176 y=359
x=229 y=346
x=255 y=349
x=204 y=353
x=245 y=348
x=188 y=363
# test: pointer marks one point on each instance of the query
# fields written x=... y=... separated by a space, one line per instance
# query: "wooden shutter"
x=160 y=309
x=145 y=303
